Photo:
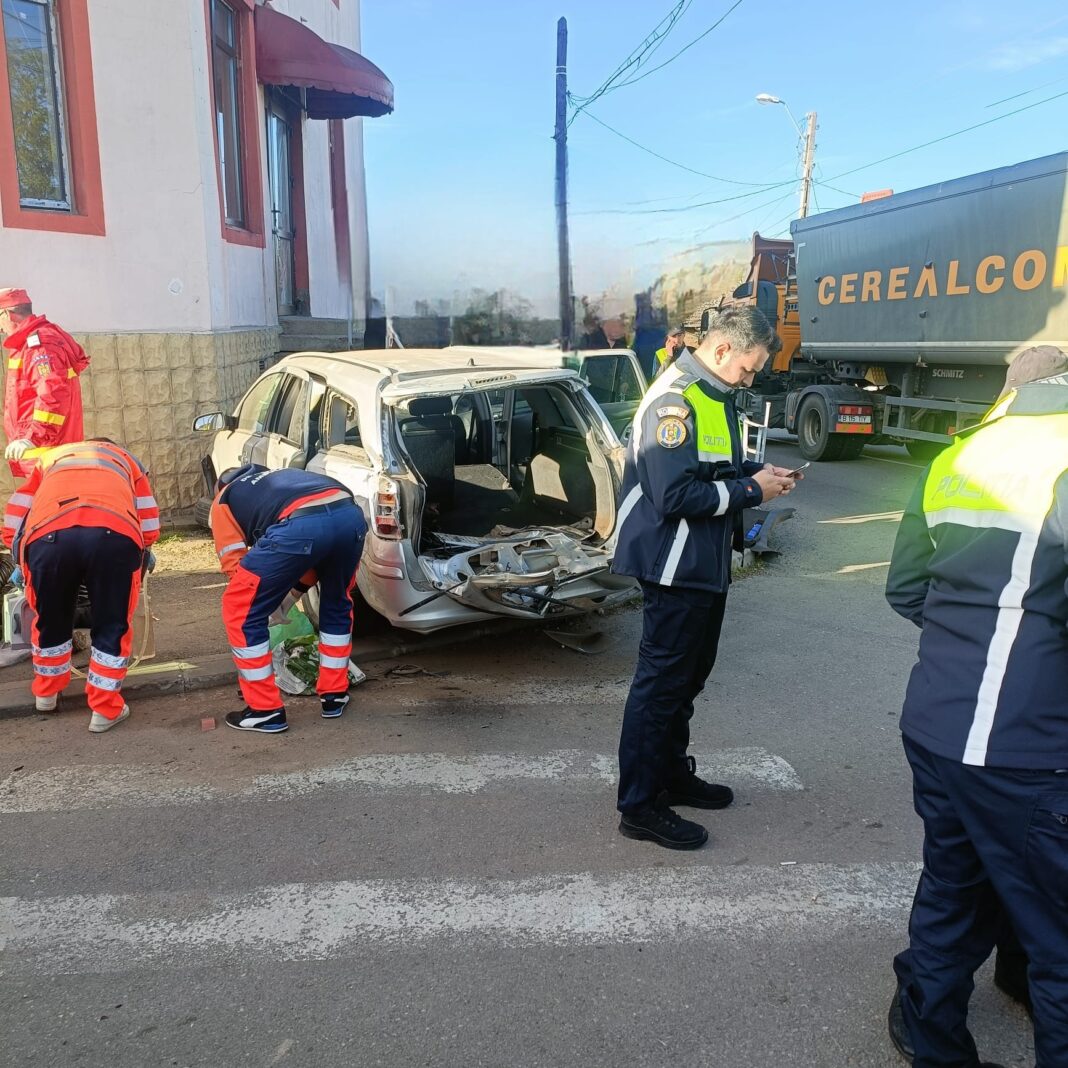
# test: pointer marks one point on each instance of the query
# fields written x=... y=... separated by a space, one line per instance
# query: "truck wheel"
x=814 y=430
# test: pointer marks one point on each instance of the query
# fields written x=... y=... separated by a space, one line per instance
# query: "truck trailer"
x=900 y=315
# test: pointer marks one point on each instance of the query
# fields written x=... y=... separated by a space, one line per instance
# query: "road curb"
x=188 y=677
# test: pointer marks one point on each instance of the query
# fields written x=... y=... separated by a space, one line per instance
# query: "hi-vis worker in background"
x=86 y=516
x=674 y=347
x=277 y=533
x=42 y=395
x=981 y=565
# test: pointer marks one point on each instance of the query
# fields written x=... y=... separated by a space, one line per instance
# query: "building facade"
x=175 y=177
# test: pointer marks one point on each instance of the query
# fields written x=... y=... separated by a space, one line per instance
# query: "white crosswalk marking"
x=318 y=921
x=154 y=786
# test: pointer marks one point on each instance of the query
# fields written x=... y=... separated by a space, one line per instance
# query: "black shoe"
x=661 y=825
x=333 y=704
x=693 y=792
x=895 y=1023
x=248 y=719
x=1010 y=977
x=899 y=1034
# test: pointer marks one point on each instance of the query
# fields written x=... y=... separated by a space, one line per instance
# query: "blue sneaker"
x=333 y=704
x=272 y=721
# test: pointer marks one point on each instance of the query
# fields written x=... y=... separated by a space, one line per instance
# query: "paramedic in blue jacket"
x=685 y=486
x=981 y=565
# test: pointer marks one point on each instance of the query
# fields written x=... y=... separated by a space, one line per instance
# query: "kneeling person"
x=86 y=516
x=277 y=532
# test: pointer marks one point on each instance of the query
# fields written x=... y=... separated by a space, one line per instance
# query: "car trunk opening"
x=518 y=496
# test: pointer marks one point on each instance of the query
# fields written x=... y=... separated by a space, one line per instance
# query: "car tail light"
x=385 y=510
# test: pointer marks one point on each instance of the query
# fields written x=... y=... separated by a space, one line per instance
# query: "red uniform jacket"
x=42 y=396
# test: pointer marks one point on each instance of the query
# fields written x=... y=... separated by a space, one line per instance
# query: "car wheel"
x=202 y=512
x=366 y=621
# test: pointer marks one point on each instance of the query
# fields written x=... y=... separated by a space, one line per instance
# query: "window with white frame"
x=226 y=65
x=35 y=82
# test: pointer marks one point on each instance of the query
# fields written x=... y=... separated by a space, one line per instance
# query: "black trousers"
x=100 y=561
x=680 y=638
x=995 y=843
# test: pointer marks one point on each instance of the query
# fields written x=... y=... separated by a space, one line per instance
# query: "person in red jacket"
x=86 y=516
x=42 y=395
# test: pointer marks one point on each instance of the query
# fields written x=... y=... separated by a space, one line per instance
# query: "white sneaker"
x=98 y=724
x=46 y=704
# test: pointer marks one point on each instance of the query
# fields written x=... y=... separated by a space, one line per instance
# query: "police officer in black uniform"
x=685 y=485
x=981 y=564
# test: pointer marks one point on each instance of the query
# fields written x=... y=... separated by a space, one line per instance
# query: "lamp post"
x=808 y=135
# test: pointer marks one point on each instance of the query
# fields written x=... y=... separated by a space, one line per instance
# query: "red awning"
x=340 y=83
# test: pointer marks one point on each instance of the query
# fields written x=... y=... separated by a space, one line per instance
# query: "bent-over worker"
x=277 y=532
x=86 y=516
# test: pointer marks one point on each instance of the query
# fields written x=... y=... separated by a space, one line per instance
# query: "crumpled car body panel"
x=540 y=573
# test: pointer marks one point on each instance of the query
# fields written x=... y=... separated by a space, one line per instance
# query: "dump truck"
x=899 y=315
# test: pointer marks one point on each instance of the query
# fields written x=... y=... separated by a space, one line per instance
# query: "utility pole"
x=808 y=161
x=567 y=311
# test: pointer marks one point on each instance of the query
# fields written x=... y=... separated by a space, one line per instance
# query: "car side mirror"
x=214 y=421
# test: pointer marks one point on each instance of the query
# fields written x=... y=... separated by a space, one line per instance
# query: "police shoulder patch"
x=670 y=432
x=676 y=410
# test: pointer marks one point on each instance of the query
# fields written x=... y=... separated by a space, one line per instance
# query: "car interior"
x=551 y=479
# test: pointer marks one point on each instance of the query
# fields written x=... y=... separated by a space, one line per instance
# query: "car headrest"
x=420 y=406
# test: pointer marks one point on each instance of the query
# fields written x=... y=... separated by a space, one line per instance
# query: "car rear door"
x=291 y=437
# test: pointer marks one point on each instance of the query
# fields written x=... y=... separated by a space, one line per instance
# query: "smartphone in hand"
x=797 y=470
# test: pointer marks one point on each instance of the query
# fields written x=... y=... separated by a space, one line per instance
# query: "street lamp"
x=808 y=135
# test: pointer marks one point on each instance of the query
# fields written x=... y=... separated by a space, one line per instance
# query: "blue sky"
x=460 y=177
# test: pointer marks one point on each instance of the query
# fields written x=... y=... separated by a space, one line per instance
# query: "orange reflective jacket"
x=85 y=484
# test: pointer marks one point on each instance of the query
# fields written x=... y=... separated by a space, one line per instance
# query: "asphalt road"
x=437 y=879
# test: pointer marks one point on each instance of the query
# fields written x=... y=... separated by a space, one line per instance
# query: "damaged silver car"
x=489 y=488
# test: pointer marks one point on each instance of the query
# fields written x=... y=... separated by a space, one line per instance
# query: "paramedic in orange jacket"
x=42 y=394
x=303 y=528
x=86 y=516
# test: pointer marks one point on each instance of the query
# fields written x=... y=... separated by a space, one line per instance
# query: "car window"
x=255 y=408
x=612 y=379
x=342 y=422
x=288 y=417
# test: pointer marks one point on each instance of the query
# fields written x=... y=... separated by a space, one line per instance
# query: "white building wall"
x=163 y=264
x=150 y=270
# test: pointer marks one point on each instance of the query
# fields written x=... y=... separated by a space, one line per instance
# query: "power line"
x=688 y=207
x=827 y=185
x=701 y=37
x=1026 y=92
x=743 y=214
x=947 y=137
x=652 y=41
x=666 y=159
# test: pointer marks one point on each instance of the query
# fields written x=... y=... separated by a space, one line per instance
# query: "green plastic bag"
x=297 y=625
